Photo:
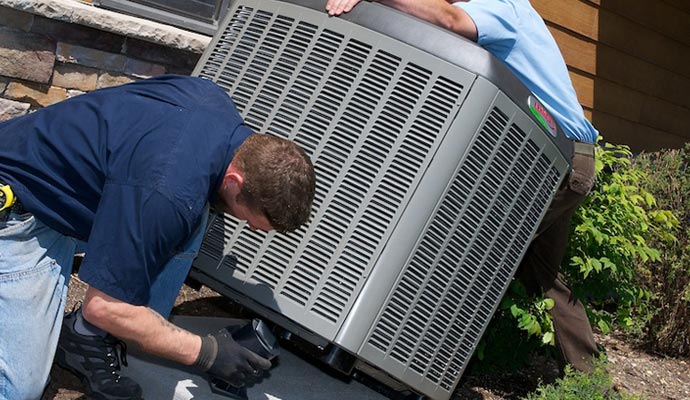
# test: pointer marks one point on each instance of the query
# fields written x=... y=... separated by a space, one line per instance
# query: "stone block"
x=79 y=12
x=78 y=34
x=35 y=94
x=89 y=57
x=143 y=69
x=73 y=76
x=74 y=93
x=142 y=50
x=15 y=19
x=108 y=79
x=10 y=109
x=60 y=10
x=26 y=55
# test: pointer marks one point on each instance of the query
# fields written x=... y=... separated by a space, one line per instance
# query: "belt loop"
x=586 y=149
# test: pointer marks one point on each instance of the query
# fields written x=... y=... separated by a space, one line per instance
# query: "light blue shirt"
x=514 y=33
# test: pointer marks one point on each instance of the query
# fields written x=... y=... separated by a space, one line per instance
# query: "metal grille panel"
x=289 y=77
x=466 y=257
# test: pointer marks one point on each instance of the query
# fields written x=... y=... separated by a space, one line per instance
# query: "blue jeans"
x=35 y=264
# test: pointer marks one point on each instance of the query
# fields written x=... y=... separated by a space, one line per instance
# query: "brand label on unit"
x=542 y=115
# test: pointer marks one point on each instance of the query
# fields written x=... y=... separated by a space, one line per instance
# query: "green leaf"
x=607 y=264
x=660 y=217
x=604 y=327
x=525 y=321
x=515 y=311
x=596 y=264
x=636 y=198
x=534 y=328
x=548 y=303
x=653 y=254
x=548 y=338
x=576 y=261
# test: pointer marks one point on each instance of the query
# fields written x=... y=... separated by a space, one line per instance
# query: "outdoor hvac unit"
x=434 y=171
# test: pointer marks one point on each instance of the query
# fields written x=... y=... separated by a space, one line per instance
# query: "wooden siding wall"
x=630 y=64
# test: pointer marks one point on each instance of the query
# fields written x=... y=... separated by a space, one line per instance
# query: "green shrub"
x=520 y=326
x=668 y=279
x=610 y=243
x=575 y=385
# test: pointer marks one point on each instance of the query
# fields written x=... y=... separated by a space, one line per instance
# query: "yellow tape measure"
x=7 y=198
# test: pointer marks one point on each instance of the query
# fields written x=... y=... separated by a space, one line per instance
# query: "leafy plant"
x=531 y=313
x=668 y=279
x=521 y=325
x=575 y=385
x=609 y=246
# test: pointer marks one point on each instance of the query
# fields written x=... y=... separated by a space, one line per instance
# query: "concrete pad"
x=291 y=378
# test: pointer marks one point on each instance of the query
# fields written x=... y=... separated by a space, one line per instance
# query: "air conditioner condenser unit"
x=434 y=168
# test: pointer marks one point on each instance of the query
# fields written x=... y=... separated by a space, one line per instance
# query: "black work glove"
x=222 y=357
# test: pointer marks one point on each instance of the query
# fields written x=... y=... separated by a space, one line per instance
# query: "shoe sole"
x=61 y=361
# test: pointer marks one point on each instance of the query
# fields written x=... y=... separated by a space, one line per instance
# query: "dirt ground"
x=634 y=371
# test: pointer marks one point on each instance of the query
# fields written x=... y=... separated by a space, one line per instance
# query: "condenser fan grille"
x=483 y=224
x=289 y=77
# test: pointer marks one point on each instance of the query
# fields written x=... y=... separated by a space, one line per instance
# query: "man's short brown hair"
x=279 y=180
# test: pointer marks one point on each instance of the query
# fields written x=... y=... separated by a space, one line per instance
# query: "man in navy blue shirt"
x=131 y=170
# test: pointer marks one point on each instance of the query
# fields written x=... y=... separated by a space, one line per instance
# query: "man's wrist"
x=207 y=353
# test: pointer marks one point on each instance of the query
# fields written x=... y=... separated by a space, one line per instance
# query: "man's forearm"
x=438 y=12
x=142 y=327
x=172 y=342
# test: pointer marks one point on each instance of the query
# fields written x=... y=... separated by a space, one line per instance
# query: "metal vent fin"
x=485 y=219
x=245 y=249
x=214 y=242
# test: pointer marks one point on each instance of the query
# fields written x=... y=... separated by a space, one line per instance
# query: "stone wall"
x=51 y=50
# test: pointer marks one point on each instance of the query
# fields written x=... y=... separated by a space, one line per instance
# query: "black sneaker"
x=96 y=361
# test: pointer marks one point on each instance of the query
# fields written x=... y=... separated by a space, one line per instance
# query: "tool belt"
x=9 y=203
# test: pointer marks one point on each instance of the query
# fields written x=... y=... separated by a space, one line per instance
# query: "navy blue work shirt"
x=128 y=168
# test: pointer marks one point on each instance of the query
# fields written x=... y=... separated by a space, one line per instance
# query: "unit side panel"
x=467 y=255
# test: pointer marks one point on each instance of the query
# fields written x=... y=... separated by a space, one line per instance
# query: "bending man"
x=131 y=170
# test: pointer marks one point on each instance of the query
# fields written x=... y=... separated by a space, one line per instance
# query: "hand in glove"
x=221 y=356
